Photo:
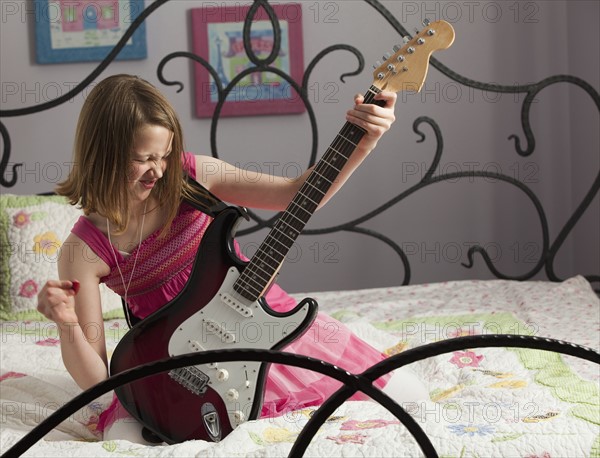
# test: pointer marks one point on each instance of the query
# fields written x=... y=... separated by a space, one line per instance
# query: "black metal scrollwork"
x=260 y=65
x=549 y=250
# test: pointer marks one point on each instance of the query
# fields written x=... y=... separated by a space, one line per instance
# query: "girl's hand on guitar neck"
x=373 y=119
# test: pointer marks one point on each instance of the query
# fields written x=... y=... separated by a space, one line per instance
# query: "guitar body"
x=206 y=401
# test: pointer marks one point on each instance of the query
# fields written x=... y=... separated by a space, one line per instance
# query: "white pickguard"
x=231 y=321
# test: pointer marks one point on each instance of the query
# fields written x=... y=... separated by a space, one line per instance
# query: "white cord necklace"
x=126 y=288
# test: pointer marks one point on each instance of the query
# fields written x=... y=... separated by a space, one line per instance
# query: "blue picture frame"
x=86 y=30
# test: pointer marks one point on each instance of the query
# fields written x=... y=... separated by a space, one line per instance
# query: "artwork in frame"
x=86 y=30
x=218 y=38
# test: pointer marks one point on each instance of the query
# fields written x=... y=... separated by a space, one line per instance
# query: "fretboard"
x=265 y=263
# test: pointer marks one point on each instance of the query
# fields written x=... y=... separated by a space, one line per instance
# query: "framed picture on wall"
x=86 y=30
x=218 y=38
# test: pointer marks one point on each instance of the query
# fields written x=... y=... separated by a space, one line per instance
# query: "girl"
x=129 y=179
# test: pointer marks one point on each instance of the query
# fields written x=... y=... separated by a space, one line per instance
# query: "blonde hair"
x=111 y=117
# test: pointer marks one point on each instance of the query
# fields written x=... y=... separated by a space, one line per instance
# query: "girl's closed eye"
x=151 y=159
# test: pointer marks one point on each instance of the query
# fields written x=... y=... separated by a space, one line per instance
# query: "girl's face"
x=148 y=160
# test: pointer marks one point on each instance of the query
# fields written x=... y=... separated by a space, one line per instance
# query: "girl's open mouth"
x=148 y=184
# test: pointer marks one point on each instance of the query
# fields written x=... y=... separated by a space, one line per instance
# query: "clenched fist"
x=56 y=301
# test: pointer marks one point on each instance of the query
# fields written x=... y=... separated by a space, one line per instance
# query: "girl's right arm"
x=78 y=315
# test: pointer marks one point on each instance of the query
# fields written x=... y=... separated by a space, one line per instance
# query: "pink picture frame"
x=217 y=34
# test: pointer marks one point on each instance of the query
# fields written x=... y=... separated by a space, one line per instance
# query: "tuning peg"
x=406 y=39
x=417 y=31
x=377 y=64
x=386 y=56
x=426 y=22
x=397 y=48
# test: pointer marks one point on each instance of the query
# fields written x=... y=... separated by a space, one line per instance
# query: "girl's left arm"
x=265 y=191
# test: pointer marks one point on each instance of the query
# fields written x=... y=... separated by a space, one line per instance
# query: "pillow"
x=32 y=229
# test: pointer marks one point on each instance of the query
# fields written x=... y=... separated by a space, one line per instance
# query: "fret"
x=272 y=239
x=248 y=285
x=255 y=274
x=268 y=274
x=353 y=130
x=338 y=152
x=317 y=184
x=302 y=208
x=327 y=173
x=268 y=250
x=306 y=197
x=293 y=224
x=292 y=238
x=346 y=136
x=270 y=254
x=268 y=266
x=289 y=231
x=242 y=289
x=338 y=159
x=332 y=166
x=348 y=140
x=322 y=176
x=315 y=187
x=249 y=275
x=289 y=212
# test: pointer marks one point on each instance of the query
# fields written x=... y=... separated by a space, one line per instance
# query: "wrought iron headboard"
x=523 y=147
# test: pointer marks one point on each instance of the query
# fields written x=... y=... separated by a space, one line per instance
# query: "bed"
x=510 y=360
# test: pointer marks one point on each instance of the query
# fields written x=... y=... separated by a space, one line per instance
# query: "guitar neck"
x=264 y=265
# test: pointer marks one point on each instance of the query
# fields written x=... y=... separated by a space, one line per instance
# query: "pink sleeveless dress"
x=162 y=269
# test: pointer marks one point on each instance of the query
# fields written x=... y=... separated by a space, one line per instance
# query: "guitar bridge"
x=191 y=378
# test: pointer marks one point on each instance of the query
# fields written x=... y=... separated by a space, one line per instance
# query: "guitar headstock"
x=407 y=67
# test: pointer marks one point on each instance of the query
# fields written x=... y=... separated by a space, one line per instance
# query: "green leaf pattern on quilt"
x=549 y=368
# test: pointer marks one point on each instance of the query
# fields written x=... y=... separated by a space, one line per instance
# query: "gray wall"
x=503 y=42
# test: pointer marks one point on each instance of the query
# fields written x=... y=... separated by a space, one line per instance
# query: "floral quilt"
x=483 y=402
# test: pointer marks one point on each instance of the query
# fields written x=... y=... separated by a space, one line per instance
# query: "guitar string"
x=343 y=145
x=308 y=190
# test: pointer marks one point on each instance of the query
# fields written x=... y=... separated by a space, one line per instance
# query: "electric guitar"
x=222 y=303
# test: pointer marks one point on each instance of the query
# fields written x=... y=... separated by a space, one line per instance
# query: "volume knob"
x=222 y=375
x=232 y=394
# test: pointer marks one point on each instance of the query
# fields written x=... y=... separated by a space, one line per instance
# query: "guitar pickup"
x=236 y=305
x=215 y=328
